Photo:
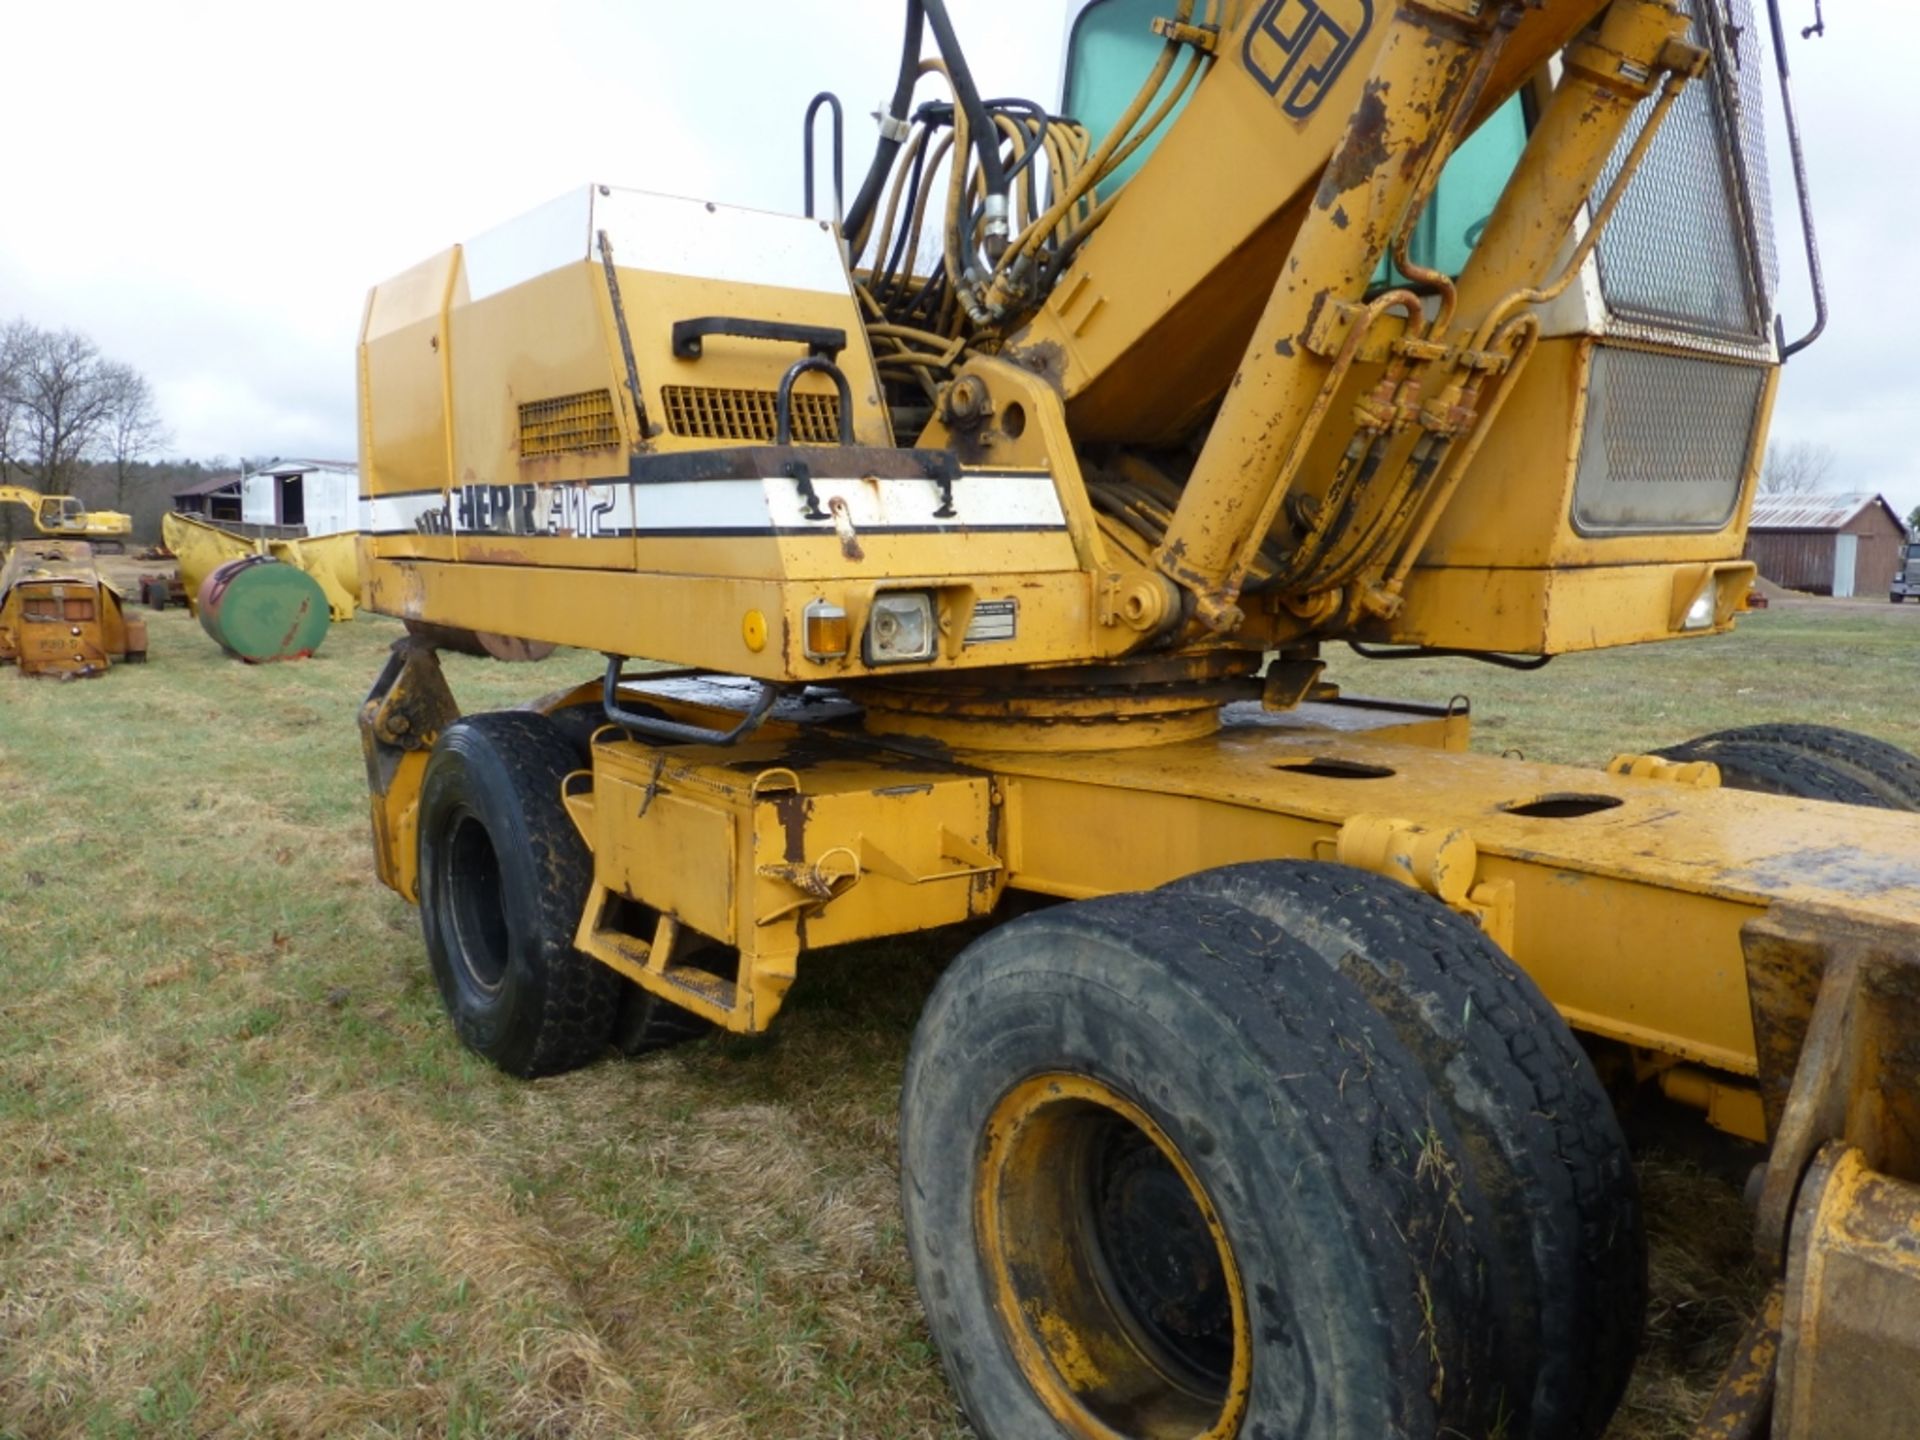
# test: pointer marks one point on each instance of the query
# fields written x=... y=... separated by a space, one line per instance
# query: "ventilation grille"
x=1666 y=441
x=707 y=412
x=1684 y=250
x=568 y=424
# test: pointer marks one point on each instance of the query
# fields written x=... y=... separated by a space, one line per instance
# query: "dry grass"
x=252 y=1185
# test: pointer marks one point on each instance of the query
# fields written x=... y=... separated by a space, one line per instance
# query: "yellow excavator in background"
x=64 y=517
x=992 y=531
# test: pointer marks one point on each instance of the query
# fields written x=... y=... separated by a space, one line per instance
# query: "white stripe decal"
x=744 y=507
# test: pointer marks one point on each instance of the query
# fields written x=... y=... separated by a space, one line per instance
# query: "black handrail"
x=1814 y=276
x=783 y=402
x=660 y=728
x=827 y=340
x=825 y=97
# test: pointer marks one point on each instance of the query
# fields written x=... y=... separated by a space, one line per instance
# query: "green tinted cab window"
x=1113 y=48
x=1468 y=189
x=1109 y=56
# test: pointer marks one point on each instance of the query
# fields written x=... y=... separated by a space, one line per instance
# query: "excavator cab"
x=59 y=617
x=62 y=515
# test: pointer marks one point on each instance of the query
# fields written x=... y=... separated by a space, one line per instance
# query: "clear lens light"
x=900 y=630
x=1700 y=613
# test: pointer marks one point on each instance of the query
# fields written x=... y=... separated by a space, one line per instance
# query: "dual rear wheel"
x=1282 y=1149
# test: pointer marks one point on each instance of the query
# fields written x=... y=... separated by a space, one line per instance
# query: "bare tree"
x=63 y=405
x=15 y=340
x=133 y=429
x=1798 y=467
x=64 y=402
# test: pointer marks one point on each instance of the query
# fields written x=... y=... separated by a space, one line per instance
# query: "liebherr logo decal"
x=523 y=510
x=618 y=509
x=1296 y=49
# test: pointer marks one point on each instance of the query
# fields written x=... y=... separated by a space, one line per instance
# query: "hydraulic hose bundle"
x=1018 y=191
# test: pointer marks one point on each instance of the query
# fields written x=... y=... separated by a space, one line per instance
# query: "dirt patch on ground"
x=124 y=572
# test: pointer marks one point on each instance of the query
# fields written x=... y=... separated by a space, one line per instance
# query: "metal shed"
x=1838 y=545
x=317 y=497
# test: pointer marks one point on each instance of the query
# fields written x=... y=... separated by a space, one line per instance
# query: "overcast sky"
x=209 y=188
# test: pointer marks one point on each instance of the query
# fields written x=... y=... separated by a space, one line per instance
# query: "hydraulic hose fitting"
x=994 y=234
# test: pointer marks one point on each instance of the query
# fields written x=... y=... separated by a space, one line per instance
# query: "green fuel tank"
x=259 y=609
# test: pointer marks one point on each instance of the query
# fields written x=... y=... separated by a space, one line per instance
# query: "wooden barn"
x=217 y=498
x=1838 y=545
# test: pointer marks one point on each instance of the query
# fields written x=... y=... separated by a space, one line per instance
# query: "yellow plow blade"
x=202 y=548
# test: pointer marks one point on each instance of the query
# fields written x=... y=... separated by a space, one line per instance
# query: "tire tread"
x=1574 y=1219
x=578 y=993
x=1267 y=1010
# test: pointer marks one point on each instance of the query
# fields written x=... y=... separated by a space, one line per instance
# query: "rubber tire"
x=1768 y=769
x=553 y=1007
x=1540 y=1132
x=1887 y=770
x=643 y=1022
x=1301 y=1115
x=578 y=723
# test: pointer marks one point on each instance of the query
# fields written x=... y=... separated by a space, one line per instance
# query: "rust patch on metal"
x=791 y=807
x=1362 y=153
x=485 y=554
x=1045 y=358
x=843 y=528
x=1742 y=1403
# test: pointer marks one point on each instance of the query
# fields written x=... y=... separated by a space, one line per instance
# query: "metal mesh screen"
x=1682 y=247
x=710 y=412
x=1666 y=441
x=568 y=424
x=1745 y=66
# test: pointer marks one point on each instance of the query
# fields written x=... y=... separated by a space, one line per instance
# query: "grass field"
x=251 y=1185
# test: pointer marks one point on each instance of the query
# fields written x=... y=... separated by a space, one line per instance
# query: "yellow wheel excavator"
x=985 y=532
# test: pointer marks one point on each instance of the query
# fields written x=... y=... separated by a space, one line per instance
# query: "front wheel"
x=503 y=882
x=1166 y=1174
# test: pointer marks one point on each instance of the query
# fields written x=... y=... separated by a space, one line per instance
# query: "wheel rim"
x=1109 y=1268
x=471 y=882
